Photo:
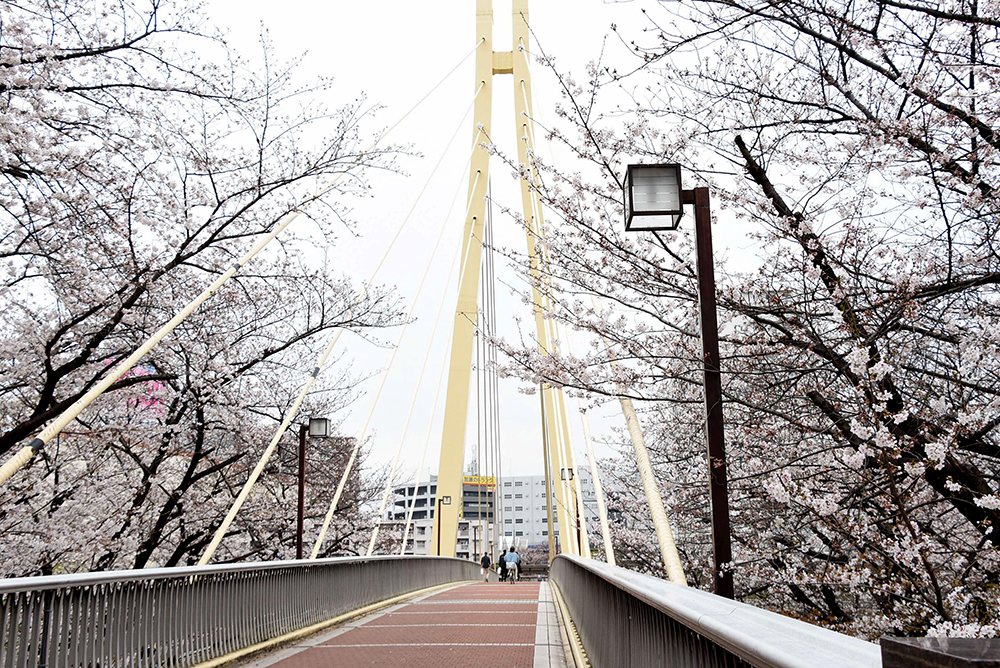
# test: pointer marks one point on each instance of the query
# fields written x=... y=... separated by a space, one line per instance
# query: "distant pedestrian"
x=513 y=560
x=486 y=562
x=502 y=567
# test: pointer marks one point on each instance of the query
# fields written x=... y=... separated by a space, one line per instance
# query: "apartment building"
x=524 y=510
x=476 y=512
x=520 y=505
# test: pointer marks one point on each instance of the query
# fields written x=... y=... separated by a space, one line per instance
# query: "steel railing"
x=176 y=617
x=628 y=619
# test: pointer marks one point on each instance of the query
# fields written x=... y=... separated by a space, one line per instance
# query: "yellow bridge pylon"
x=555 y=423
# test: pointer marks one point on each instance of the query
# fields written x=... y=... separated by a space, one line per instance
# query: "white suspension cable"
x=665 y=538
x=294 y=408
x=437 y=393
x=427 y=440
x=416 y=390
x=664 y=535
x=360 y=440
x=595 y=476
x=25 y=454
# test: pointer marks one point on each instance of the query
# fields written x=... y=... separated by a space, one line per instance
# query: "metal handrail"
x=630 y=619
x=184 y=616
x=43 y=582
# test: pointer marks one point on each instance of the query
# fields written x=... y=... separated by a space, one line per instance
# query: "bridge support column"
x=556 y=425
x=456 y=408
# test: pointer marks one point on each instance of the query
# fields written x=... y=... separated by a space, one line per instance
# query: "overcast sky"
x=394 y=53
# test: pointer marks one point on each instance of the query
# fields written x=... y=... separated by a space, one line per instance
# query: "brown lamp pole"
x=303 y=430
x=718 y=478
x=654 y=201
x=317 y=428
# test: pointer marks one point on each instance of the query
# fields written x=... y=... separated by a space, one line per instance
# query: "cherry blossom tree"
x=854 y=144
x=139 y=158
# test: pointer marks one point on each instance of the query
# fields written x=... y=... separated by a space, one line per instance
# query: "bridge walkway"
x=495 y=624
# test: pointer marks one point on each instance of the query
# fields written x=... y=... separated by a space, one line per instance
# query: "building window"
x=506 y=496
x=507 y=484
x=545 y=520
x=508 y=521
x=520 y=508
x=517 y=484
x=520 y=533
x=519 y=496
x=508 y=533
x=518 y=521
x=507 y=509
x=545 y=533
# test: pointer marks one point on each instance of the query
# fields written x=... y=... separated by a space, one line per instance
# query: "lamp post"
x=654 y=201
x=317 y=428
x=442 y=501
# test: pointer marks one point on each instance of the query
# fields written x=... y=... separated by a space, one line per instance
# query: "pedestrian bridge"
x=397 y=611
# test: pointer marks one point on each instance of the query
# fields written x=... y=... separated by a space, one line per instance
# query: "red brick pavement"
x=418 y=634
x=485 y=605
x=485 y=617
x=471 y=625
x=443 y=656
x=505 y=592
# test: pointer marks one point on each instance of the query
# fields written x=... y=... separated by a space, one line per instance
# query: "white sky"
x=394 y=52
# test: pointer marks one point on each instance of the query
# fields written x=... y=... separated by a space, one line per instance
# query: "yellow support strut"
x=449 y=481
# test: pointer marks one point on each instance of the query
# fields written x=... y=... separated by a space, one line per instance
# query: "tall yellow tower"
x=449 y=483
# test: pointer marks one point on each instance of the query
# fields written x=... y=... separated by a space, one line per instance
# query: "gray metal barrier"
x=628 y=619
x=176 y=617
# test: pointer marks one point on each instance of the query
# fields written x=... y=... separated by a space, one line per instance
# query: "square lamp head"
x=319 y=427
x=653 y=199
x=445 y=500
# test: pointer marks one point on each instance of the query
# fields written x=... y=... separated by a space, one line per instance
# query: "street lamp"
x=654 y=201
x=442 y=501
x=317 y=428
x=653 y=198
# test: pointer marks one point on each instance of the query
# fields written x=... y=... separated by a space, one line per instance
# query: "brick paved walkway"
x=489 y=625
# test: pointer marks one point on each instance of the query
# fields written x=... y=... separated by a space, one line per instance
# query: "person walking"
x=486 y=562
x=513 y=560
x=502 y=567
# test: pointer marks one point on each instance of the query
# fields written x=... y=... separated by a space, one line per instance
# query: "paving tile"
x=486 y=606
x=507 y=626
x=485 y=617
x=410 y=656
x=438 y=634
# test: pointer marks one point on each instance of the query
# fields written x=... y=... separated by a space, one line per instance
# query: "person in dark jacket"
x=502 y=568
x=485 y=562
